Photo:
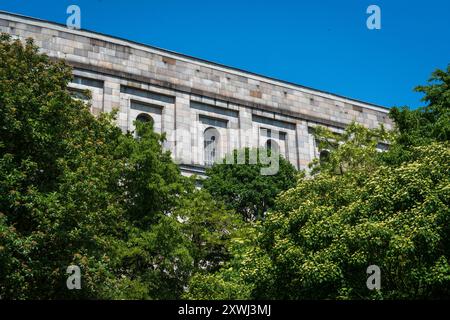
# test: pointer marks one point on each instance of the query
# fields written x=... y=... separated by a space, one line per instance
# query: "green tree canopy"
x=425 y=124
x=75 y=190
x=57 y=179
x=429 y=123
x=353 y=150
x=244 y=189
x=361 y=207
x=326 y=232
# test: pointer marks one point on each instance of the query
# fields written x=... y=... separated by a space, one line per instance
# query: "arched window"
x=143 y=117
x=324 y=155
x=272 y=146
x=211 y=139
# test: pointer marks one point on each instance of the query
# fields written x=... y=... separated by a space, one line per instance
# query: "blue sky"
x=323 y=44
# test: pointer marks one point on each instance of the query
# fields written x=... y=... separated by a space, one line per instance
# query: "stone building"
x=205 y=109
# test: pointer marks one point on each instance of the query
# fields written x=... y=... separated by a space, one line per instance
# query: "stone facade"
x=197 y=103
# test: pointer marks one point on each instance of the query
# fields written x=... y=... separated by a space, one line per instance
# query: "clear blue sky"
x=323 y=44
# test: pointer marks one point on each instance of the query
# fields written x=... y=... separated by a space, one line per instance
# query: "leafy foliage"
x=361 y=207
x=75 y=190
x=244 y=189
x=354 y=150
x=227 y=283
x=57 y=179
x=328 y=230
x=426 y=124
x=209 y=228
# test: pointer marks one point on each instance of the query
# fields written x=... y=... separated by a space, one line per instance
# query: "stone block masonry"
x=205 y=109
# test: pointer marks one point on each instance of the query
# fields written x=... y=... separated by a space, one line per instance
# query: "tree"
x=244 y=189
x=353 y=150
x=75 y=190
x=328 y=230
x=152 y=260
x=227 y=283
x=209 y=227
x=361 y=207
x=58 y=179
x=150 y=180
x=429 y=123
x=425 y=124
x=323 y=235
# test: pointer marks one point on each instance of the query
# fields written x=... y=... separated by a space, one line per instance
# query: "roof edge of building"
x=200 y=60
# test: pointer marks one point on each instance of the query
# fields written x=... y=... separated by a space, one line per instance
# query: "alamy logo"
x=374 y=280
x=74 y=280
x=74 y=20
x=374 y=20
